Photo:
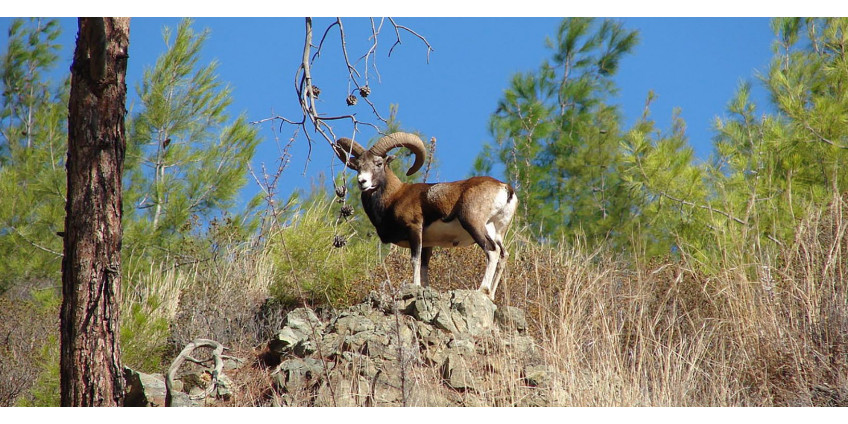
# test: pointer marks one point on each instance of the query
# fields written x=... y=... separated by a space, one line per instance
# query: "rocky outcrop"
x=386 y=351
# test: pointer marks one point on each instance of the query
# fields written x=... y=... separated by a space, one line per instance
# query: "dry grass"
x=772 y=331
x=221 y=299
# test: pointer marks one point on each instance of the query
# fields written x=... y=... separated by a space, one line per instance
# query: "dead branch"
x=215 y=371
x=307 y=92
x=398 y=41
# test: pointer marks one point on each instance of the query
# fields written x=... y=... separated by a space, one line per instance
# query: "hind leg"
x=482 y=236
x=492 y=260
x=499 y=270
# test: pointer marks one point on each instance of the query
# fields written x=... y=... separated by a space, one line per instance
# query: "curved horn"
x=402 y=139
x=345 y=146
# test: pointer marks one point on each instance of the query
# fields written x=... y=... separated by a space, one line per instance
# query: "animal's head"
x=372 y=165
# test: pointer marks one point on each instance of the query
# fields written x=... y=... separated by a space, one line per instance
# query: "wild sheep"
x=421 y=216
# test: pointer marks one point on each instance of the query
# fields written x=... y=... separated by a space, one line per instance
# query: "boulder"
x=149 y=390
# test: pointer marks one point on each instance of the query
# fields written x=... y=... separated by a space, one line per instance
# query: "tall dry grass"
x=222 y=298
x=771 y=331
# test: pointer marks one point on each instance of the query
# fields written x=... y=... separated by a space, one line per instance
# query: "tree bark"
x=91 y=370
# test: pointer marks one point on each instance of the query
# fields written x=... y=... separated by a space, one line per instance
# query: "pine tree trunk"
x=91 y=371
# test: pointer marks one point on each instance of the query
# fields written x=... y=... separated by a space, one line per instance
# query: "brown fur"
x=420 y=216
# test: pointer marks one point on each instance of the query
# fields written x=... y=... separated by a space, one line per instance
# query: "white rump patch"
x=503 y=208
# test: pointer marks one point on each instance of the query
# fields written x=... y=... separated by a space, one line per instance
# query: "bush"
x=29 y=353
x=313 y=266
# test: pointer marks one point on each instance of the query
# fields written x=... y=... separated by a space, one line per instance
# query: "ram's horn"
x=402 y=139
x=344 y=147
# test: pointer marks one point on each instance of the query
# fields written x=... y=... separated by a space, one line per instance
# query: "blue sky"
x=692 y=63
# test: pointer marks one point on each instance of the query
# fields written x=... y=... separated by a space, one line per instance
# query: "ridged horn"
x=402 y=139
x=344 y=146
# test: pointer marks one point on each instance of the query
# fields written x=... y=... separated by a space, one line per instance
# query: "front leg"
x=426 y=253
x=415 y=245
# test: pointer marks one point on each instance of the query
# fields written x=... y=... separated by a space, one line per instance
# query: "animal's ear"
x=390 y=158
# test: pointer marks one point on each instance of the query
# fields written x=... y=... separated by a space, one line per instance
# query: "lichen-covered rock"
x=510 y=318
x=298 y=374
x=457 y=374
x=376 y=353
x=149 y=390
x=298 y=334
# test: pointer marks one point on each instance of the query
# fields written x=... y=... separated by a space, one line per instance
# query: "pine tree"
x=91 y=370
x=33 y=142
x=557 y=136
x=667 y=187
x=186 y=159
x=768 y=170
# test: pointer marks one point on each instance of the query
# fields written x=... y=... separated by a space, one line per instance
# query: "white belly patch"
x=446 y=234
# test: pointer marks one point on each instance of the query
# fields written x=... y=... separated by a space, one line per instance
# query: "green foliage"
x=186 y=159
x=32 y=345
x=768 y=171
x=658 y=169
x=308 y=267
x=144 y=335
x=45 y=389
x=642 y=190
x=177 y=193
x=33 y=140
x=557 y=136
x=186 y=162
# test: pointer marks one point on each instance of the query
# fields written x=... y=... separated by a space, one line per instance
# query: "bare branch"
x=397 y=33
x=324 y=37
x=312 y=122
x=217 y=352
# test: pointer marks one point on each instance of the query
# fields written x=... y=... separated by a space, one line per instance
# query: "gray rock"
x=474 y=310
x=537 y=376
x=456 y=373
x=374 y=352
x=304 y=322
x=424 y=304
x=224 y=388
x=149 y=390
x=297 y=335
x=298 y=374
x=510 y=318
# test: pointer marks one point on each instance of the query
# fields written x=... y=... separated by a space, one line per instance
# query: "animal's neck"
x=377 y=201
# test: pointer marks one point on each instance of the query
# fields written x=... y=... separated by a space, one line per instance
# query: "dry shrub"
x=29 y=328
x=773 y=331
x=226 y=302
x=223 y=299
x=793 y=317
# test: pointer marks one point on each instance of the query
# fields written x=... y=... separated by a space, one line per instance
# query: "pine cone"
x=346 y=211
x=339 y=241
x=364 y=91
x=351 y=100
x=341 y=191
x=315 y=91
